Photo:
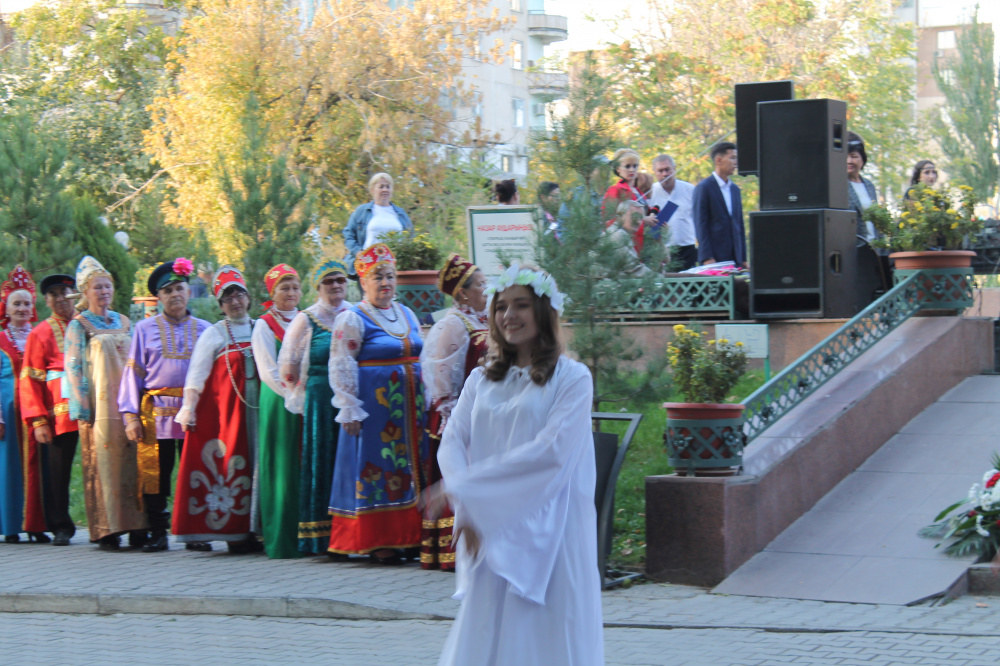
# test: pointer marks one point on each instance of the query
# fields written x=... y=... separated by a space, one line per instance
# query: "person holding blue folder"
x=672 y=198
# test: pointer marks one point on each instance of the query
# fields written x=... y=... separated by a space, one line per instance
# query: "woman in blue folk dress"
x=375 y=374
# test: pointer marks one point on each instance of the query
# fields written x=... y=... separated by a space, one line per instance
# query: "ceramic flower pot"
x=917 y=261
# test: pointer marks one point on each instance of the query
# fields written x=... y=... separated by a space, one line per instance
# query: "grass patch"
x=647 y=457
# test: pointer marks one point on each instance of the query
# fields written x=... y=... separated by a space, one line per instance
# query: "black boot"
x=137 y=538
x=61 y=538
x=113 y=542
x=157 y=542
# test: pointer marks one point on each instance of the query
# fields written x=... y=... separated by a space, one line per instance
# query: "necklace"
x=367 y=308
x=391 y=307
x=229 y=368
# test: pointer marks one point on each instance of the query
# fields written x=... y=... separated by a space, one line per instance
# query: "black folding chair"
x=610 y=455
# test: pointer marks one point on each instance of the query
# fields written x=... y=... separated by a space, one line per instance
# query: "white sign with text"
x=753 y=336
x=494 y=229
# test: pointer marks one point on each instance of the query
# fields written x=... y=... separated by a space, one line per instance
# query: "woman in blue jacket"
x=371 y=221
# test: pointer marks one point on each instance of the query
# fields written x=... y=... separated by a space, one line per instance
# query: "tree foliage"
x=87 y=70
x=36 y=211
x=674 y=90
x=97 y=239
x=586 y=263
x=271 y=213
x=366 y=86
x=967 y=126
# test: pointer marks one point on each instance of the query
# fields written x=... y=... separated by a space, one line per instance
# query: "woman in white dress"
x=517 y=457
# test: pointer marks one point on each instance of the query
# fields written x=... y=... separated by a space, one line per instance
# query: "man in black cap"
x=46 y=412
x=152 y=388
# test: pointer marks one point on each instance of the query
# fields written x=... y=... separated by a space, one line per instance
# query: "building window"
x=517 y=55
x=515 y=6
x=518 y=112
x=506 y=163
x=945 y=40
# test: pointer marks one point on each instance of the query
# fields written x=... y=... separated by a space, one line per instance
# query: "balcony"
x=548 y=85
x=547 y=28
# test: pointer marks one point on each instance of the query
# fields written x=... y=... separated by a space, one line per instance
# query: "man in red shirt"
x=46 y=412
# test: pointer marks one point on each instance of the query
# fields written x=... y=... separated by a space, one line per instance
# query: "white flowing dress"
x=518 y=462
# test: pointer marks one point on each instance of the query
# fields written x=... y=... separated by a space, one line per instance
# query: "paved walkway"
x=860 y=542
x=79 y=605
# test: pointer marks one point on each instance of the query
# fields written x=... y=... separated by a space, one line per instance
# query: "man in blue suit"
x=718 y=211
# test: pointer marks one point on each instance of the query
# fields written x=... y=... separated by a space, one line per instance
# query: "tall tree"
x=588 y=263
x=271 y=214
x=36 y=211
x=88 y=69
x=675 y=82
x=358 y=90
x=967 y=125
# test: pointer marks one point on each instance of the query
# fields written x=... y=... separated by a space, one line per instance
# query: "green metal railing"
x=927 y=289
x=696 y=295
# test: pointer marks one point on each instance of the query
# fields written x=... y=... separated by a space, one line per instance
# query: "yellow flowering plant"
x=704 y=371
x=933 y=219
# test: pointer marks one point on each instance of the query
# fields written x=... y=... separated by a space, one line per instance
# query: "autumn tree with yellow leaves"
x=675 y=82
x=363 y=87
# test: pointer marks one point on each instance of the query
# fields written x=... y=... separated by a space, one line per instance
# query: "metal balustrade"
x=926 y=289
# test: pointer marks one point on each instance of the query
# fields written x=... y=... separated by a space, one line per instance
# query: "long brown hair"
x=545 y=353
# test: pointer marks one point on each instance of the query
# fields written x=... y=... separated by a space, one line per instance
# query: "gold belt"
x=149 y=447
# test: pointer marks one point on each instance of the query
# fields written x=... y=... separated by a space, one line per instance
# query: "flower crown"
x=540 y=282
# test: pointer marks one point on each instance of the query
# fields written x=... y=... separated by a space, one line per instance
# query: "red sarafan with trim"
x=214 y=483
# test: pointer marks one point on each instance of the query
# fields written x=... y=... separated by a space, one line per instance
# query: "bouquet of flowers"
x=932 y=219
x=975 y=527
x=705 y=371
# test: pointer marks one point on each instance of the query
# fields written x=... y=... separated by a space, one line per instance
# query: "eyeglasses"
x=234 y=297
x=332 y=281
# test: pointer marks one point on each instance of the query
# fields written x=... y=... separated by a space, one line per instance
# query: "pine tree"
x=36 y=213
x=967 y=126
x=586 y=263
x=98 y=240
x=271 y=214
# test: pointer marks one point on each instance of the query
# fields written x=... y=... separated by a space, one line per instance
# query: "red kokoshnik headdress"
x=16 y=280
x=273 y=278
x=227 y=276
x=374 y=256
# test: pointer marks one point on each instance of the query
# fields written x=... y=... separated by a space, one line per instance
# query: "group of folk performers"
x=337 y=429
x=300 y=432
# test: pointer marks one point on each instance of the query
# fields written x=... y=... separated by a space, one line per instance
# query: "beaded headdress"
x=376 y=255
x=225 y=277
x=540 y=282
x=454 y=274
x=17 y=280
x=327 y=267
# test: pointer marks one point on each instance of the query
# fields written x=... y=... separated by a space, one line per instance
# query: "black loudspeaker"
x=804 y=264
x=802 y=155
x=747 y=96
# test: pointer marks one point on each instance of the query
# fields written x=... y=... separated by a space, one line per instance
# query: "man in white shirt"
x=682 y=239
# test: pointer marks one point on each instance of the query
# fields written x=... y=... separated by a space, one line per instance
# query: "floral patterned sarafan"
x=224 y=491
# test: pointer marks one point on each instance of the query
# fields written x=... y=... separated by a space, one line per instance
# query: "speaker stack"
x=802 y=241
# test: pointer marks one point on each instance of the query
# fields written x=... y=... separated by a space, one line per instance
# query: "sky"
x=585 y=34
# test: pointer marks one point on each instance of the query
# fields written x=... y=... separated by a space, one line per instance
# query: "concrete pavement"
x=79 y=605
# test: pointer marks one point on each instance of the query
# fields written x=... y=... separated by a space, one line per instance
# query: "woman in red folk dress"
x=453 y=348
x=20 y=504
x=215 y=492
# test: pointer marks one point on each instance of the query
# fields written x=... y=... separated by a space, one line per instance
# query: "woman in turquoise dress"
x=302 y=364
x=375 y=374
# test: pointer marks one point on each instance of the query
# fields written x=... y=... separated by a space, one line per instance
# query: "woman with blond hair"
x=97 y=344
x=371 y=221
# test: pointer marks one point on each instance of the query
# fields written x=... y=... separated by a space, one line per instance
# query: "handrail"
x=798 y=381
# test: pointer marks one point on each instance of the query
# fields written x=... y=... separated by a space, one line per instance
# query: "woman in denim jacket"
x=370 y=221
